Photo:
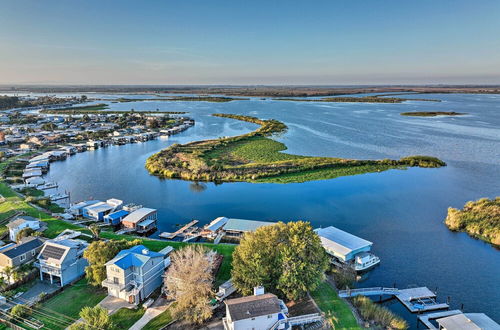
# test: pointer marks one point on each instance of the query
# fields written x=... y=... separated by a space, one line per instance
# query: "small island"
x=431 y=113
x=479 y=219
x=254 y=157
x=100 y=108
x=362 y=99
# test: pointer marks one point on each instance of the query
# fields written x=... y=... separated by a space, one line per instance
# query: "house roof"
x=253 y=306
x=136 y=256
x=468 y=321
x=116 y=215
x=245 y=225
x=340 y=241
x=25 y=246
x=138 y=215
x=99 y=207
x=19 y=221
x=83 y=204
x=56 y=249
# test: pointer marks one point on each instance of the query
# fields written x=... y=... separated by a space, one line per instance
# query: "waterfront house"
x=141 y=220
x=214 y=227
x=467 y=321
x=133 y=274
x=260 y=311
x=115 y=218
x=97 y=211
x=21 y=222
x=347 y=249
x=77 y=209
x=61 y=261
x=237 y=227
x=15 y=255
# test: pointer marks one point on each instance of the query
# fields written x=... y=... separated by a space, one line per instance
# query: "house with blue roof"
x=115 y=218
x=133 y=274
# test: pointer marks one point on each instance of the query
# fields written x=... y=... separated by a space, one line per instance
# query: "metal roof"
x=468 y=321
x=138 y=215
x=135 y=256
x=116 y=215
x=217 y=224
x=245 y=225
x=340 y=241
x=99 y=207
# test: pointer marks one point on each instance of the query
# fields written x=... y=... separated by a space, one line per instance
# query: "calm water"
x=401 y=211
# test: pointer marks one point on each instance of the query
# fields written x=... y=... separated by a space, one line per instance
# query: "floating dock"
x=180 y=231
x=414 y=299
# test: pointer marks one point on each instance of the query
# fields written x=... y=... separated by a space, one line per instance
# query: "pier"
x=180 y=231
x=414 y=299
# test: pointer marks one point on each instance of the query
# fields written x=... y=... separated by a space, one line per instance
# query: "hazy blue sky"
x=249 y=42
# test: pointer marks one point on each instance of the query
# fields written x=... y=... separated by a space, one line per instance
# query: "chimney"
x=258 y=290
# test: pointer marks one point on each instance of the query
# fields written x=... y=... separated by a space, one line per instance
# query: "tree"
x=287 y=259
x=8 y=271
x=93 y=318
x=20 y=311
x=48 y=126
x=189 y=281
x=95 y=230
x=25 y=232
x=100 y=252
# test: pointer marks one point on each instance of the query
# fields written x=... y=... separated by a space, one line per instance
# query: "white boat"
x=347 y=249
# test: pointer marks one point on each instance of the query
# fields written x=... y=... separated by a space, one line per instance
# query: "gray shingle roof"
x=26 y=246
x=253 y=306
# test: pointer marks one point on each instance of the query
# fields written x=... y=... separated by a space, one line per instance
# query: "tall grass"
x=377 y=314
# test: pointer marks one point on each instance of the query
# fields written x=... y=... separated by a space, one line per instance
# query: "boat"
x=346 y=249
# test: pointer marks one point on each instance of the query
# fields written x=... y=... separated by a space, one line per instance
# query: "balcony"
x=49 y=269
x=112 y=285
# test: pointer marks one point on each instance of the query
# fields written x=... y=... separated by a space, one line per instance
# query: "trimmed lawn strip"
x=159 y=322
x=335 y=309
x=124 y=318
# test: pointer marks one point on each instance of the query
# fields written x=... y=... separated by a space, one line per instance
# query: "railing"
x=298 y=320
x=112 y=285
x=49 y=269
x=373 y=291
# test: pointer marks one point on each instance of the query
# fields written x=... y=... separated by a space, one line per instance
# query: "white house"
x=133 y=274
x=260 y=311
x=22 y=222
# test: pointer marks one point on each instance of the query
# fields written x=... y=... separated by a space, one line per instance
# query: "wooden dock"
x=426 y=319
x=180 y=231
x=414 y=299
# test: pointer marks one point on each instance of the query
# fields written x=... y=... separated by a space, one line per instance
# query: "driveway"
x=31 y=296
x=112 y=304
x=158 y=307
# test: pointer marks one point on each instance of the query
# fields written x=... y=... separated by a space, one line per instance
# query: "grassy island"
x=480 y=219
x=185 y=98
x=254 y=157
x=431 y=113
x=363 y=99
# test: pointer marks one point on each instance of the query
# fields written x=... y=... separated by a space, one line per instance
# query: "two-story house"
x=22 y=222
x=15 y=255
x=133 y=274
x=61 y=261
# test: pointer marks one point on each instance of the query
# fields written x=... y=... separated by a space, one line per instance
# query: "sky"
x=331 y=42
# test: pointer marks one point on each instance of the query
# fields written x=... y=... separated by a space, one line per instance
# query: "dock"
x=180 y=231
x=426 y=319
x=416 y=300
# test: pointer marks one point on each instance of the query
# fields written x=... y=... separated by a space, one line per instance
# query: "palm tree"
x=95 y=230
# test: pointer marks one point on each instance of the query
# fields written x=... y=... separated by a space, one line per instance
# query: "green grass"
x=159 y=322
x=336 y=310
x=71 y=301
x=124 y=318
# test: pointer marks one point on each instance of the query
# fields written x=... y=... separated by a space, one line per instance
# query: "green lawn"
x=159 y=322
x=336 y=310
x=71 y=301
x=124 y=318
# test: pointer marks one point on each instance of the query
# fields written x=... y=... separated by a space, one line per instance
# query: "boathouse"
x=141 y=220
x=237 y=227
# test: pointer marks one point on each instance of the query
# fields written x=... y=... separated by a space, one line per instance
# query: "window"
x=33 y=253
x=23 y=257
x=269 y=316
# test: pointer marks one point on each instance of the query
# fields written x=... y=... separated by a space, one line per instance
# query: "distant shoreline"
x=255 y=91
